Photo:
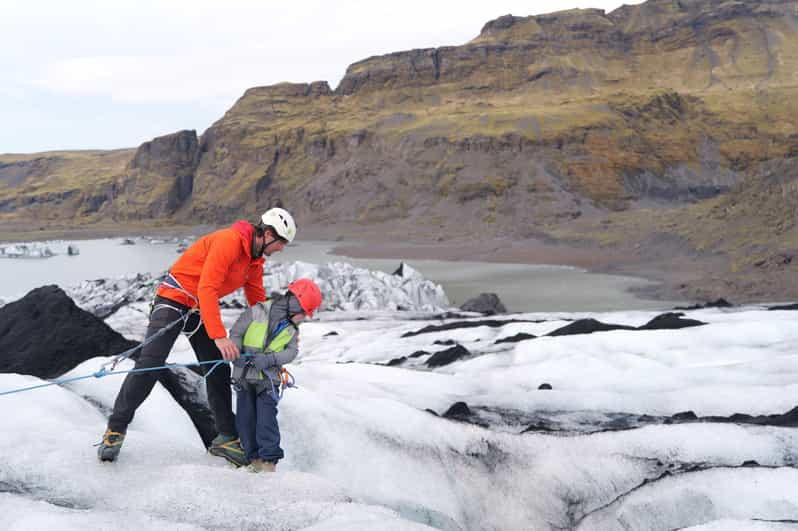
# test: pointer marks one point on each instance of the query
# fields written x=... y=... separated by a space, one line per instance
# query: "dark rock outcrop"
x=587 y=326
x=445 y=357
x=670 y=321
x=45 y=334
x=784 y=307
x=465 y=324
x=458 y=410
x=684 y=416
x=396 y=361
x=544 y=387
x=717 y=303
x=787 y=420
x=521 y=336
x=485 y=303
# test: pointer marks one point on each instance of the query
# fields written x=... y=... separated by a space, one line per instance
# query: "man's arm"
x=222 y=253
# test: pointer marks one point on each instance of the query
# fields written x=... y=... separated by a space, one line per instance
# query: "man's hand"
x=228 y=349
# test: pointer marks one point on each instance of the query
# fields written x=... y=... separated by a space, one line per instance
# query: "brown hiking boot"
x=259 y=465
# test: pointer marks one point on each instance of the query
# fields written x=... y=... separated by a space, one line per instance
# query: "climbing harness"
x=287 y=381
x=171 y=282
x=183 y=315
x=273 y=342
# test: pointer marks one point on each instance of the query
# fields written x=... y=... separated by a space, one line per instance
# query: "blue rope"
x=127 y=353
x=103 y=372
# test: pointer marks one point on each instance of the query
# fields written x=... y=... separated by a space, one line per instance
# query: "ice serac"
x=344 y=286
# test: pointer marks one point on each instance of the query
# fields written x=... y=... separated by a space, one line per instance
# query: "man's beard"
x=258 y=250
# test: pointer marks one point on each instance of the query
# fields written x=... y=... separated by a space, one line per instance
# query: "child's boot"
x=259 y=465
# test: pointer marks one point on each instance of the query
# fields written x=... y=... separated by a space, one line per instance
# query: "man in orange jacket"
x=215 y=265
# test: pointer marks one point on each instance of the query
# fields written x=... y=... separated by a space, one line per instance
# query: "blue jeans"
x=256 y=420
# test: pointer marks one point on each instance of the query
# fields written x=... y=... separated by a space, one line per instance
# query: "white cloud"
x=163 y=53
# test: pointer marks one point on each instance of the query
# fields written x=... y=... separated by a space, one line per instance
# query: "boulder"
x=521 y=336
x=718 y=303
x=587 y=326
x=445 y=357
x=670 y=321
x=784 y=307
x=458 y=410
x=45 y=334
x=485 y=303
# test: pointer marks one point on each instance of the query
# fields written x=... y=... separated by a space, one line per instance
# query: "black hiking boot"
x=110 y=445
x=229 y=447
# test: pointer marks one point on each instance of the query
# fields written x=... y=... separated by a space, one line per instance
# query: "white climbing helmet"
x=281 y=221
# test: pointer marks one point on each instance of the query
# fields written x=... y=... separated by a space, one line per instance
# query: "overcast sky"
x=80 y=74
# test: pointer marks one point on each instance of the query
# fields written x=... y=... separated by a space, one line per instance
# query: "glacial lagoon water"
x=529 y=288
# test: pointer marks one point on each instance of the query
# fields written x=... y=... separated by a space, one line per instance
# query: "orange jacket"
x=215 y=265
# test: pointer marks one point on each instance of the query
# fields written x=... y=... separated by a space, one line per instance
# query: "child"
x=269 y=333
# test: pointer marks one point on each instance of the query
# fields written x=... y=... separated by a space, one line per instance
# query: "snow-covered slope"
x=363 y=452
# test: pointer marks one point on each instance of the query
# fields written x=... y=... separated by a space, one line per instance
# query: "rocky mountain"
x=661 y=115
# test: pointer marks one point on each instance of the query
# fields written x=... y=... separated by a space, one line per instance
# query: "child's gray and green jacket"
x=258 y=332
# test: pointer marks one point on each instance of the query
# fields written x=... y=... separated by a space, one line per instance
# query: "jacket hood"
x=246 y=231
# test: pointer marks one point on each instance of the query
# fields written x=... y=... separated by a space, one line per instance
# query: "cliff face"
x=537 y=119
x=681 y=45
x=536 y=122
x=159 y=179
x=59 y=186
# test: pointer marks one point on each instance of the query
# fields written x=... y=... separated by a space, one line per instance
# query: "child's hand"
x=264 y=362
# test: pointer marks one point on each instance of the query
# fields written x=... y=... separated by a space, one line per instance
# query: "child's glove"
x=264 y=361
